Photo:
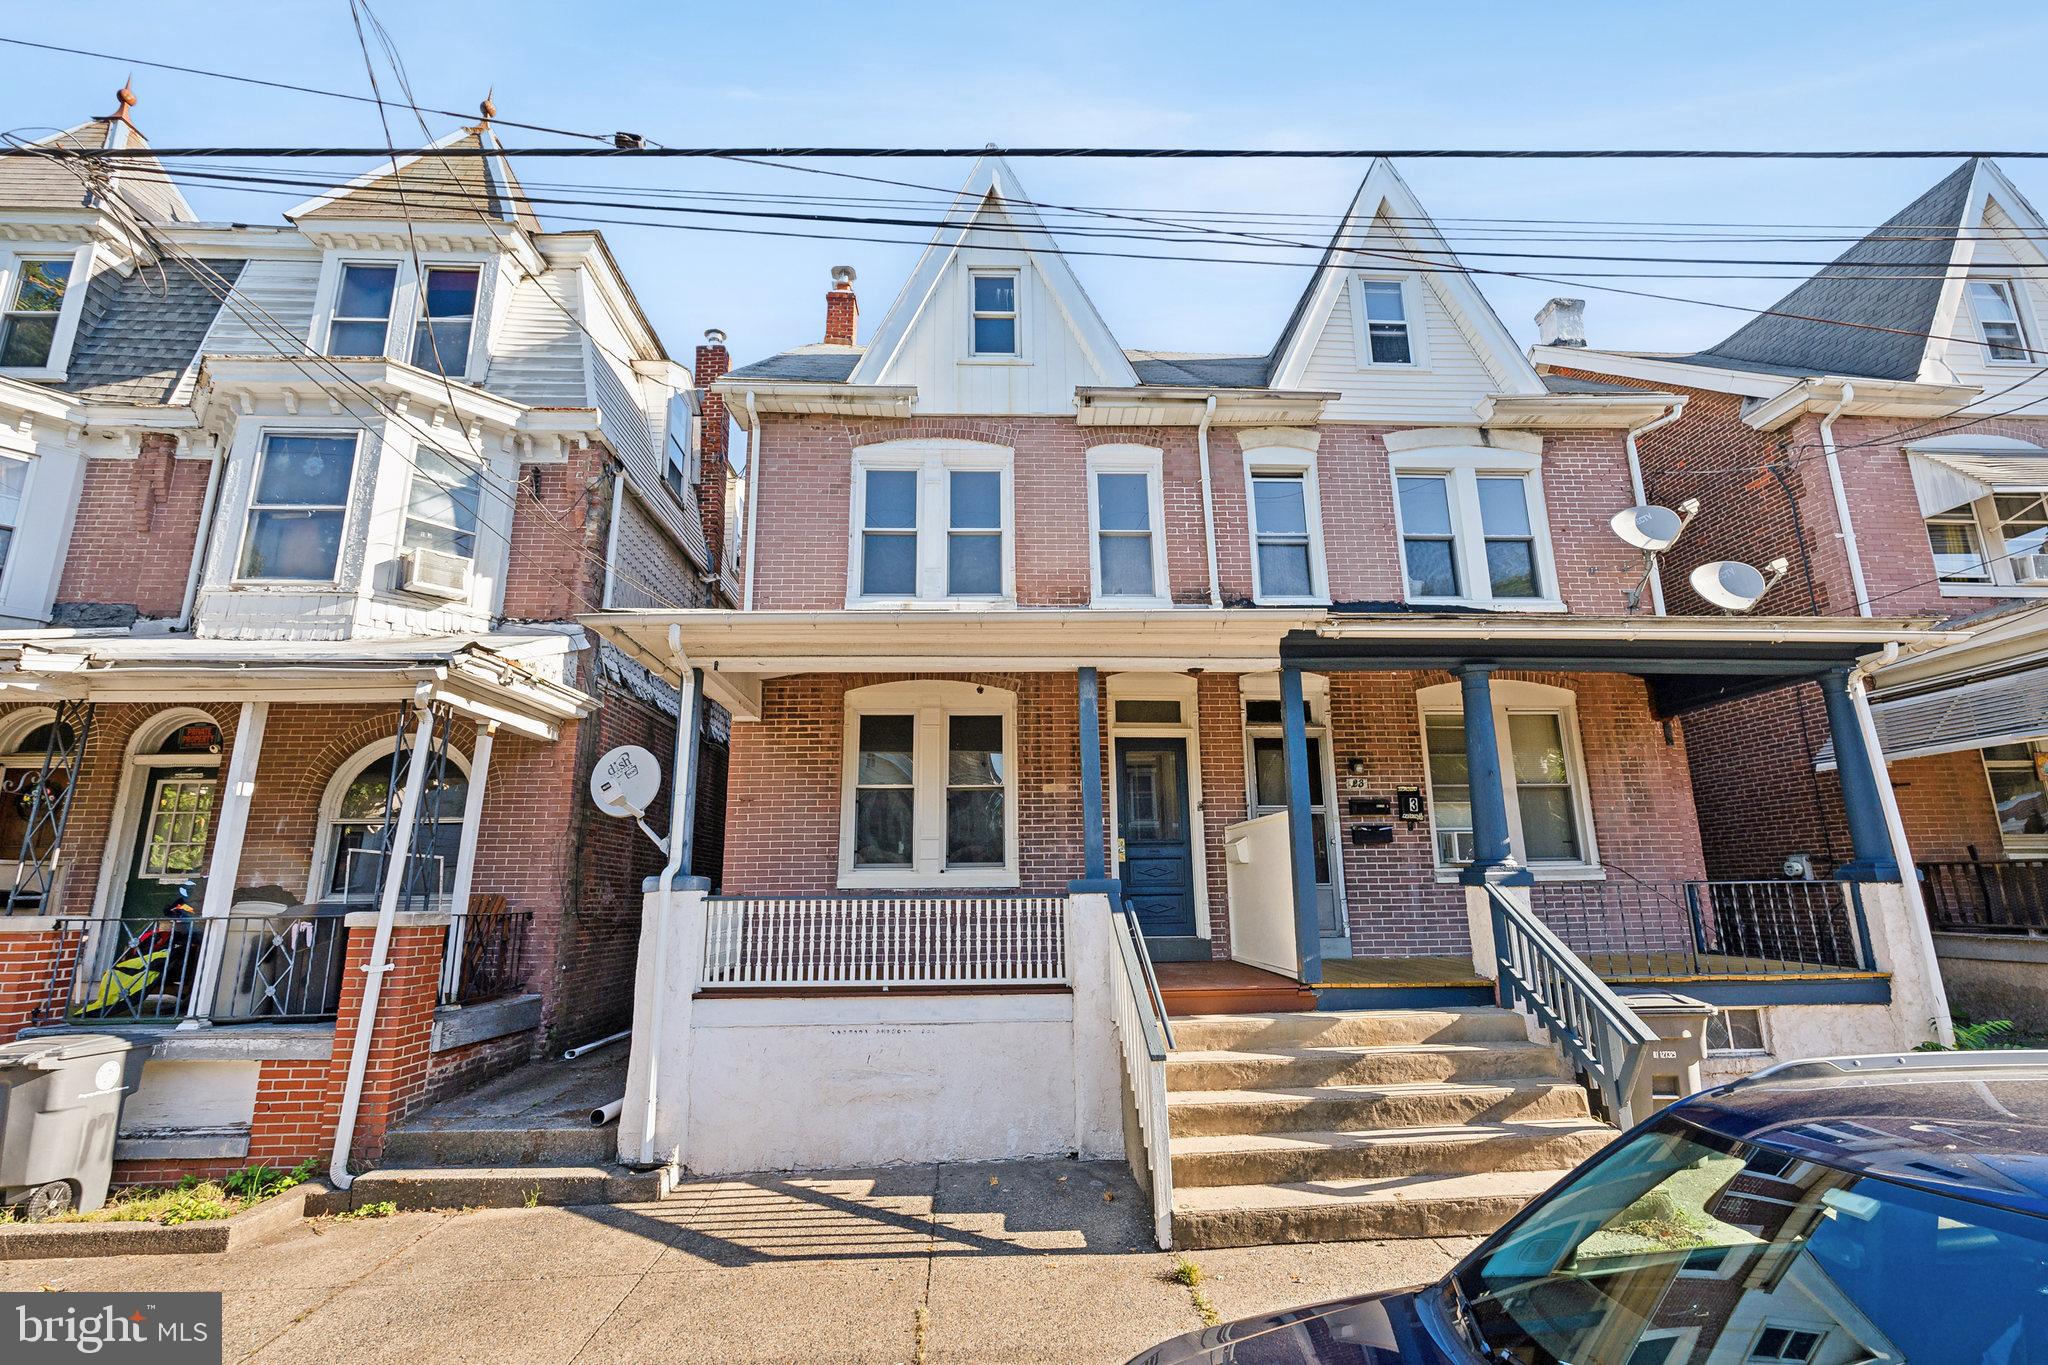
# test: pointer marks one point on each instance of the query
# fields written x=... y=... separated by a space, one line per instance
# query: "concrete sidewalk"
x=1019 y=1261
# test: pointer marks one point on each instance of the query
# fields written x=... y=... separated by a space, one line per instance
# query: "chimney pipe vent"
x=1562 y=322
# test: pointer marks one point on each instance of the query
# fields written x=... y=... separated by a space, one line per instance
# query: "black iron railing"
x=1638 y=930
x=1977 y=897
x=279 y=968
x=491 y=949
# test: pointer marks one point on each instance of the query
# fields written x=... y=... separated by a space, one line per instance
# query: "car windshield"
x=1686 y=1248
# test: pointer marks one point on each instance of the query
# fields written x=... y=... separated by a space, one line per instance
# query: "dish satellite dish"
x=625 y=783
x=1734 y=586
x=1650 y=528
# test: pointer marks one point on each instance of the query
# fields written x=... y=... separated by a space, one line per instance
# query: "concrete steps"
x=582 y=1145
x=495 y=1187
x=1334 y=1126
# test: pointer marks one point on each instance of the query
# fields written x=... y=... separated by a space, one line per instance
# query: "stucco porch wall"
x=785 y=811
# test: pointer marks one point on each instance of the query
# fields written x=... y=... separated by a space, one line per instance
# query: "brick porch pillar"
x=33 y=950
x=396 y=1077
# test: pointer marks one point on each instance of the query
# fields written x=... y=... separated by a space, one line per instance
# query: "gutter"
x=207 y=508
x=1208 y=500
x=1635 y=483
x=1842 y=519
x=753 y=493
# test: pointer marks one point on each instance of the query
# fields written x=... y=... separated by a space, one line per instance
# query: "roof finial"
x=487 y=108
x=125 y=97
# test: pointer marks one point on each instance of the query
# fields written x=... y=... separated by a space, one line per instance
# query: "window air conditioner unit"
x=435 y=574
x=2030 y=569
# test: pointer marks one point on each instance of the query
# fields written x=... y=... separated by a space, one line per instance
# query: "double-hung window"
x=1385 y=333
x=2018 y=796
x=13 y=485
x=1998 y=541
x=1286 y=525
x=361 y=322
x=1126 y=512
x=1996 y=305
x=930 y=787
x=995 y=315
x=1958 y=547
x=1541 y=773
x=441 y=504
x=931 y=523
x=448 y=298
x=297 y=508
x=1473 y=529
x=28 y=328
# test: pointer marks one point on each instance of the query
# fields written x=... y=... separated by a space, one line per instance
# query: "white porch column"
x=654 y=1122
x=230 y=827
x=465 y=859
x=1098 y=1065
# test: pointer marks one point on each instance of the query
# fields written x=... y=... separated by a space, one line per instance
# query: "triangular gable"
x=1384 y=195
x=1992 y=208
x=992 y=198
x=31 y=182
x=444 y=189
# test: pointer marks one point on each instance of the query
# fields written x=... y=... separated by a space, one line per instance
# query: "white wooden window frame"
x=1129 y=459
x=1511 y=697
x=2016 y=295
x=68 y=313
x=21 y=514
x=930 y=704
x=1411 y=314
x=415 y=475
x=408 y=299
x=1016 y=314
x=933 y=462
x=2024 y=845
x=325 y=829
x=1991 y=545
x=1269 y=462
x=1461 y=469
x=250 y=506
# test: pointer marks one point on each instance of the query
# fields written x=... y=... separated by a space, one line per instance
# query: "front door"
x=170 y=844
x=1156 y=852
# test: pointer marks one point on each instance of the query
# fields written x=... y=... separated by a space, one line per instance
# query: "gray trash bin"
x=1672 y=1070
x=60 y=1103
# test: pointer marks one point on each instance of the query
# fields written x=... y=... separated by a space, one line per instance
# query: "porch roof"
x=511 y=678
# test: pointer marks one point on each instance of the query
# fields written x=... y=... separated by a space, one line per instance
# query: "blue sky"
x=1759 y=75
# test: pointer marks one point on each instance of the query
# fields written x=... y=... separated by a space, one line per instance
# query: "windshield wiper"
x=1467 y=1321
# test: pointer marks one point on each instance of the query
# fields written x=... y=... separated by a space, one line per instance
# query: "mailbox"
x=1672 y=1070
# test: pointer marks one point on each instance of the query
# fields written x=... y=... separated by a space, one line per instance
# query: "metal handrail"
x=1136 y=935
x=1595 y=1027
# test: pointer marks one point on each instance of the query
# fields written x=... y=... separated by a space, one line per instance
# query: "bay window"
x=1126 y=517
x=929 y=795
x=1473 y=529
x=297 y=508
x=447 y=312
x=362 y=310
x=441 y=504
x=1286 y=527
x=931 y=524
x=1542 y=773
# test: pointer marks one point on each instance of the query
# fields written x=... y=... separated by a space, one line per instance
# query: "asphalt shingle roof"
x=811 y=365
x=1861 y=286
x=137 y=335
x=1169 y=368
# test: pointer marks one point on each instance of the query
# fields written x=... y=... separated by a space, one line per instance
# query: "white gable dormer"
x=1389 y=323
x=993 y=320
x=1990 y=327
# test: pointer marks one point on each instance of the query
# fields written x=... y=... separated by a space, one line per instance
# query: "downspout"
x=686 y=713
x=1909 y=875
x=611 y=540
x=1642 y=495
x=206 y=510
x=753 y=496
x=395 y=856
x=1208 y=502
x=1827 y=444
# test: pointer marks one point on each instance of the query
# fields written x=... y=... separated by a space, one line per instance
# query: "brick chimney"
x=842 y=309
x=712 y=362
x=1562 y=322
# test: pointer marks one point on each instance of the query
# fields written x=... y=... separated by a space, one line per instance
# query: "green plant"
x=533 y=1197
x=382 y=1208
x=1981 y=1035
x=260 y=1182
x=1189 y=1276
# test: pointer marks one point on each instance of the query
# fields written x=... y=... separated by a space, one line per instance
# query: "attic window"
x=28 y=329
x=1384 y=306
x=995 y=315
x=447 y=312
x=362 y=310
x=1998 y=320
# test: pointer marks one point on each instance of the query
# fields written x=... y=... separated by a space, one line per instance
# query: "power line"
x=1090 y=153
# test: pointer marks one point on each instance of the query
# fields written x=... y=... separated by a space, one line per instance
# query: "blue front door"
x=1158 y=866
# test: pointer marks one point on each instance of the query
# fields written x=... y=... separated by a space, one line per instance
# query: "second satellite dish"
x=626 y=781
x=1734 y=586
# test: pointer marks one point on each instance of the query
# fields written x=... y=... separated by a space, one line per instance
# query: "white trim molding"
x=930 y=705
x=932 y=462
x=1461 y=468
x=1284 y=462
x=1129 y=459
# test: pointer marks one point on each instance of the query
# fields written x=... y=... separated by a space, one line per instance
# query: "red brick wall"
x=395 y=1081
x=1758 y=793
x=1945 y=802
x=805 y=491
x=28 y=963
x=132 y=537
x=556 y=558
x=461 y=1069
x=713 y=361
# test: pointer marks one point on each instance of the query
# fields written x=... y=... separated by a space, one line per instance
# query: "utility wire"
x=1090 y=153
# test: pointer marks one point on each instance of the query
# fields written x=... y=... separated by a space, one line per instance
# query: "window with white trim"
x=298 y=508
x=1385 y=335
x=1786 y=1345
x=2019 y=795
x=361 y=322
x=355 y=833
x=1126 y=516
x=1996 y=304
x=1286 y=527
x=994 y=320
x=13 y=486
x=441 y=504
x=34 y=301
x=447 y=314
x=930 y=786
x=1473 y=529
x=931 y=524
x=2001 y=540
x=1542 y=775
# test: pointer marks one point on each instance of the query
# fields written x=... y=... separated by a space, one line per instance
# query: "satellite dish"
x=1732 y=585
x=1649 y=528
x=625 y=781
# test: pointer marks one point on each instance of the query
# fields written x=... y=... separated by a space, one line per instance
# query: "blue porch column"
x=1493 y=858
x=1308 y=937
x=1869 y=836
x=1095 y=877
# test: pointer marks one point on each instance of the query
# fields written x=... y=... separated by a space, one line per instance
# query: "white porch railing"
x=1143 y=1040
x=883 y=942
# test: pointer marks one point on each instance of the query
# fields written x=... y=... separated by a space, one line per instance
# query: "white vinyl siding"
x=537 y=353
x=284 y=290
x=2002 y=252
